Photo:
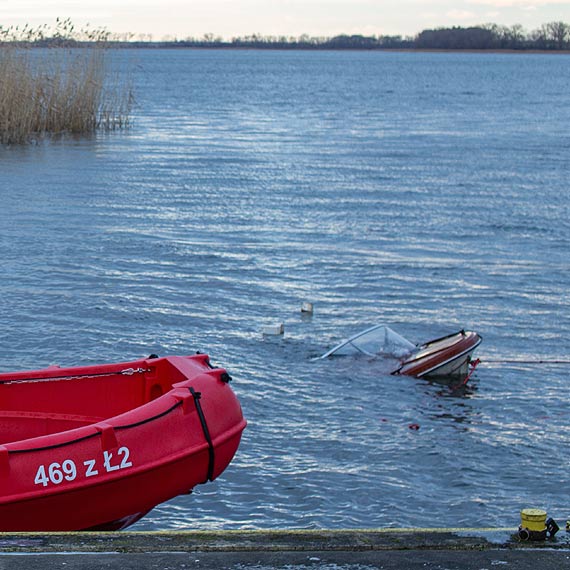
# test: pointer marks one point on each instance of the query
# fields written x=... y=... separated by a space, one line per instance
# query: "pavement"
x=365 y=549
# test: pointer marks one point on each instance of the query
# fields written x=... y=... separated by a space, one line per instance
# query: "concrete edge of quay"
x=292 y=540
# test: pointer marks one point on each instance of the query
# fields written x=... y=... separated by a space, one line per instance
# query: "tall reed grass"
x=54 y=83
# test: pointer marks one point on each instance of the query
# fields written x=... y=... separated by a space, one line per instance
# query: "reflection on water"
x=372 y=185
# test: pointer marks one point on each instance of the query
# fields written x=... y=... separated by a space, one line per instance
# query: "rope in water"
x=523 y=361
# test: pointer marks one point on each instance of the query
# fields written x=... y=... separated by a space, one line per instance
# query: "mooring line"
x=522 y=361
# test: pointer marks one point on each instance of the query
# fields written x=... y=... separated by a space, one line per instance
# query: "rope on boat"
x=204 y=424
x=124 y=372
x=473 y=364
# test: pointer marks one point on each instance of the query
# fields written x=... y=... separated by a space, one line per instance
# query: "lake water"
x=428 y=192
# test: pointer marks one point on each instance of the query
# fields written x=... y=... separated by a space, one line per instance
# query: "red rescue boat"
x=97 y=447
x=448 y=356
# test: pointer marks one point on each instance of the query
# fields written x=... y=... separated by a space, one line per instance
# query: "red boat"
x=97 y=447
x=448 y=356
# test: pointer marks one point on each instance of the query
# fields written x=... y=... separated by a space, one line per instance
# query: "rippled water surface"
x=428 y=192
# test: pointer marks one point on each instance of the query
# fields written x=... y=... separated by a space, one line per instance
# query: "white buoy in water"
x=307 y=307
x=273 y=330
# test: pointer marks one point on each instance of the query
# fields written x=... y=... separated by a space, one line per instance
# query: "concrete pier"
x=388 y=549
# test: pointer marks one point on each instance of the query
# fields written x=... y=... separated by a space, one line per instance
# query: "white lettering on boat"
x=107 y=462
x=124 y=451
x=91 y=471
x=56 y=473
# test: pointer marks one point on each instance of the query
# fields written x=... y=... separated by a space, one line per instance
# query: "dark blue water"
x=428 y=192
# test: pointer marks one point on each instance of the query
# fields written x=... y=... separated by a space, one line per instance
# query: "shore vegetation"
x=65 y=87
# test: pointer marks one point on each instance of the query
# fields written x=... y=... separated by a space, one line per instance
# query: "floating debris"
x=273 y=330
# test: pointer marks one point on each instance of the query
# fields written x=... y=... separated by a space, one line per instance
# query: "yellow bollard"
x=533 y=519
x=533 y=524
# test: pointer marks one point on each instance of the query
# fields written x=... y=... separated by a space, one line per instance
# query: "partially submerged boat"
x=448 y=357
x=97 y=447
x=445 y=357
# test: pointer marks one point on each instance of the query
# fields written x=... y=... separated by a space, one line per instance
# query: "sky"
x=169 y=19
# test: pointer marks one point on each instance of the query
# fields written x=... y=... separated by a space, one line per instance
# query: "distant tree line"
x=301 y=42
x=554 y=36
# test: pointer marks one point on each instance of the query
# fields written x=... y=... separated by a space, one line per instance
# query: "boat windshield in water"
x=378 y=340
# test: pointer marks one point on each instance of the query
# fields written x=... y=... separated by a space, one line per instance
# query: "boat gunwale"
x=89 y=435
x=12 y=447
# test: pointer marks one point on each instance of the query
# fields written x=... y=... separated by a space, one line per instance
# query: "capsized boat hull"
x=447 y=357
x=98 y=447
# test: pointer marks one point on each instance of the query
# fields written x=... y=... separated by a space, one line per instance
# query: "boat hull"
x=446 y=357
x=108 y=473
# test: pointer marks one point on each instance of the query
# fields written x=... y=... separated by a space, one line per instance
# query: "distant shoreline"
x=550 y=38
x=553 y=37
x=176 y=46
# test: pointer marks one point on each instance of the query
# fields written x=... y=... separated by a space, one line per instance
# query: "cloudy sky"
x=228 y=18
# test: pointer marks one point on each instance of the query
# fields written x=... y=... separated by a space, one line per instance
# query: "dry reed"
x=61 y=89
